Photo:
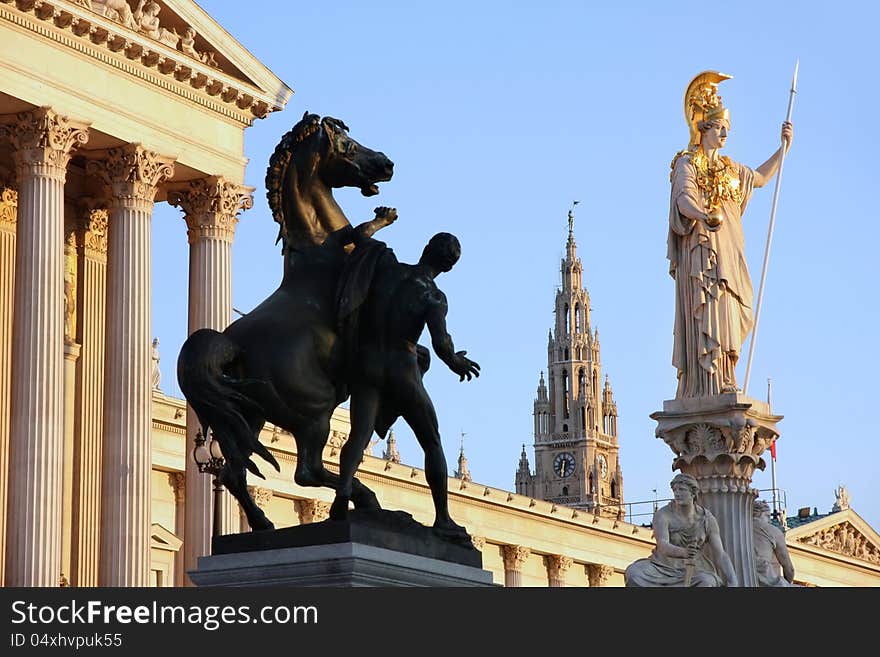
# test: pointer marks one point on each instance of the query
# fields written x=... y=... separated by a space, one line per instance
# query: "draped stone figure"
x=714 y=308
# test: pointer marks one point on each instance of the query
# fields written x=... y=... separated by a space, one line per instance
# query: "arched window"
x=592 y=484
x=565 y=490
x=566 y=393
x=565 y=427
x=566 y=353
x=582 y=382
x=614 y=489
x=577 y=318
x=567 y=319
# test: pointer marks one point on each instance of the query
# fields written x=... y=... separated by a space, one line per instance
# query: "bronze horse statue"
x=282 y=361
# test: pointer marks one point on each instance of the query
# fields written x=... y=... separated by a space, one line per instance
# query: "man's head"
x=441 y=252
x=760 y=510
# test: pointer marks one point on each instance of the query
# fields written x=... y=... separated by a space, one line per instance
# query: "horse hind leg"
x=234 y=477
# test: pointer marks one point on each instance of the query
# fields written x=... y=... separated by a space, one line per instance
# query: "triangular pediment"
x=164 y=539
x=174 y=39
x=843 y=532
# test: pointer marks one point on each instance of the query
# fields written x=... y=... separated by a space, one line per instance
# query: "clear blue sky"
x=499 y=114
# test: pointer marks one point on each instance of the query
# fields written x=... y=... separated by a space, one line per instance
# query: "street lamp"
x=209 y=459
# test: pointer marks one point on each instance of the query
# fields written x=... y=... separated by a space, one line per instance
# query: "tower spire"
x=463 y=472
x=391 y=454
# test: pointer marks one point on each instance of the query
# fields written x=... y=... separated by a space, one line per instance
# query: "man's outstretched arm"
x=442 y=341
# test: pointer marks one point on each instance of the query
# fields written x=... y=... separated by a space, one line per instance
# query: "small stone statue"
x=689 y=551
x=841 y=499
x=771 y=552
x=155 y=374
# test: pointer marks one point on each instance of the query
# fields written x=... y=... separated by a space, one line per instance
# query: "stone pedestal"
x=719 y=440
x=386 y=549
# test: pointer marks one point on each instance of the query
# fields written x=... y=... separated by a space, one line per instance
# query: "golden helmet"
x=702 y=102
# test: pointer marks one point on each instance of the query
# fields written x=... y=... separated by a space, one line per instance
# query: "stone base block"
x=334 y=565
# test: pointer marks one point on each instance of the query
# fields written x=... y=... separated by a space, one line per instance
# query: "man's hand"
x=386 y=215
x=465 y=367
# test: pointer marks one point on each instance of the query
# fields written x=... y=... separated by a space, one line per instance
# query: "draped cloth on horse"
x=362 y=269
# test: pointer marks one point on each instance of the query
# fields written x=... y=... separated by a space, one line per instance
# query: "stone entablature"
x=125 y=48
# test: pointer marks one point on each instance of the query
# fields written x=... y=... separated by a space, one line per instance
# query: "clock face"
x=603 y=467
x=564 y=464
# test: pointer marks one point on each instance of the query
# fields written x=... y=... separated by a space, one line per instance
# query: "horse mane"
x=277 y=170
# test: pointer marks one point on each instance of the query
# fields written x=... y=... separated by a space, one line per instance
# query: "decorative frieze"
x=844 y=539
x=137 y=42
x=8 y=208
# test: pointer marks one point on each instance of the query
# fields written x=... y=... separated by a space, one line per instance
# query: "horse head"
x=316 y=156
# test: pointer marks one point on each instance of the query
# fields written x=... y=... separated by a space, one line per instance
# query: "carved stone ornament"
x=846 y=540
x=211 y=205
x=479 y=542
x=8 y=208
x=558 y=565
x=139 y=36
x=132 y=173
x=44 y=137
x=94 y=230
x=312 y=511
x=262 y=496
x=178 y=485
x=598 y=574
x=515 y=556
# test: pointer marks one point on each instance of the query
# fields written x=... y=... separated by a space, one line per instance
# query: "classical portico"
x=101 y=116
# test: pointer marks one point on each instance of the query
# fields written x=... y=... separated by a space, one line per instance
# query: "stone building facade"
x=103 y=113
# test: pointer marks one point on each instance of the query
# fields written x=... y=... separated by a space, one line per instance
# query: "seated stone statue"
x=771 y=552
x=689 y=551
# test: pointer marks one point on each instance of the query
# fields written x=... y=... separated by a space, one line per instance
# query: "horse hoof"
x=366 y=502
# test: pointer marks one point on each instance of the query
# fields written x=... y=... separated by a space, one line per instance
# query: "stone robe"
x=713 y=290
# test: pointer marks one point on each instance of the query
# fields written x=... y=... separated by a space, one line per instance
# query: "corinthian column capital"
x=515 y=556
x=133 y=173
x=211 y=206
x=43 y=139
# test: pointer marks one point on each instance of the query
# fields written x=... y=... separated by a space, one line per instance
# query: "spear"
x=769 y=235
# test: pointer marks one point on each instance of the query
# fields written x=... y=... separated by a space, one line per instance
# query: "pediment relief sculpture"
x=844 y=539
x=145 y=19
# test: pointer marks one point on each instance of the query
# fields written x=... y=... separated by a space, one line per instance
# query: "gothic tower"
x=576 y=445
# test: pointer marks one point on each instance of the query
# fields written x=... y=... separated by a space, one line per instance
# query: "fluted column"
x=89 y=418
x=210 y=206
x=132 y=173
x=515 y=557
x=43 y=142
x=8 y=216
x=598 y=573
x=557 y=565
x=71 y=356
x=178 y=485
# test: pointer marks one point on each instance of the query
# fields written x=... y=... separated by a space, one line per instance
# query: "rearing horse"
x=281 y=362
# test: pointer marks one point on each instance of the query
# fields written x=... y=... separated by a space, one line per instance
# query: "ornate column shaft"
x=132 y=174
x=515 y=557
x=598 y=573
x=89 y=418
x=8 y=216
x=178 y=485
x=211 y=206
x=71 y=356
x=43 y=142
x=557 y=566
x=719 y=440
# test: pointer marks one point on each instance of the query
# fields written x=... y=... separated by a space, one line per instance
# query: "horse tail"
x=204 y=376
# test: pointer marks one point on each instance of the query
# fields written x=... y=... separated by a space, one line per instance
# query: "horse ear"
x=305 y=114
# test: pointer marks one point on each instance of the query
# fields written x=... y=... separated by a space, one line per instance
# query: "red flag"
x=773 y=450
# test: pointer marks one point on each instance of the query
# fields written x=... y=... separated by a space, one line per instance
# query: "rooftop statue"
x=282 y=362
x=714 y=309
